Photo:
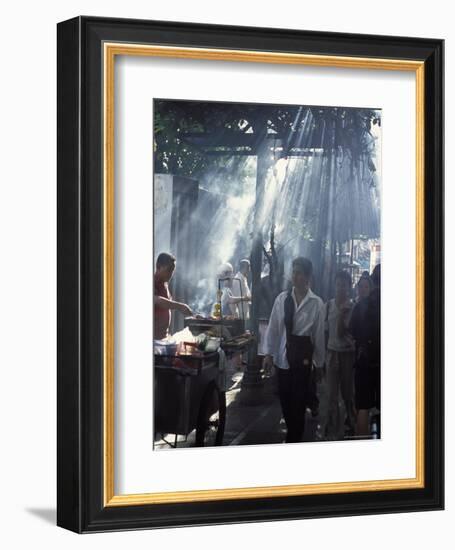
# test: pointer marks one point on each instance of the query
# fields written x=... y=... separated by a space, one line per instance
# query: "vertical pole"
x=252 y=376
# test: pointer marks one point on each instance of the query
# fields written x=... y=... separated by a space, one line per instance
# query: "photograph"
x=250 y=257
x=267 y=256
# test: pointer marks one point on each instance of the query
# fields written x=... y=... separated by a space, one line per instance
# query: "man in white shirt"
x=294 y=340
x=241 y=288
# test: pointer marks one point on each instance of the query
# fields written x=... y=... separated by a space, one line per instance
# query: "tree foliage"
x=191 y=137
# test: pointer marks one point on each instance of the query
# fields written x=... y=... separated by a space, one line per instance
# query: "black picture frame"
x=81 y=475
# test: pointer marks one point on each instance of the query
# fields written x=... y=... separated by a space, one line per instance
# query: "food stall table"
x=189 y=396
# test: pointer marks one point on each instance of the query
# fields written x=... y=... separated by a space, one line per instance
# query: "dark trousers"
x=295 y=390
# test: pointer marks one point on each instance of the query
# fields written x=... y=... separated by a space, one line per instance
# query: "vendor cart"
x=189 y=395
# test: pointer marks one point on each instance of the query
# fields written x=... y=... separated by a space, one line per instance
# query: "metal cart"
x=190 y=397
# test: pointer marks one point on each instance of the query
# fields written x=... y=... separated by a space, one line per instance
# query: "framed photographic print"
x=250 y=274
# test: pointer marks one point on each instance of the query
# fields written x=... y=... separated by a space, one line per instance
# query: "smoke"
x=222 y=228
x=309 y=201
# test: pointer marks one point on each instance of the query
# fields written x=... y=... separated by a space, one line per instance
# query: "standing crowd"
x=310 y=343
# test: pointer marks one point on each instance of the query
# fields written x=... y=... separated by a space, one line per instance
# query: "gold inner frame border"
x=110 y=51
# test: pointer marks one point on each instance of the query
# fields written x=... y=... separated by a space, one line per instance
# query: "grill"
x=227 y=328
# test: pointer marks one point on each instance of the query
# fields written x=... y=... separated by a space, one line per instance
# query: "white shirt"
x=308 y=321
x=242 y=284
x=227 y=306
x=331 y=316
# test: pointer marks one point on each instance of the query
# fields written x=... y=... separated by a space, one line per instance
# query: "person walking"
x=365 y=327
x=294 y=344
x=340 y=358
